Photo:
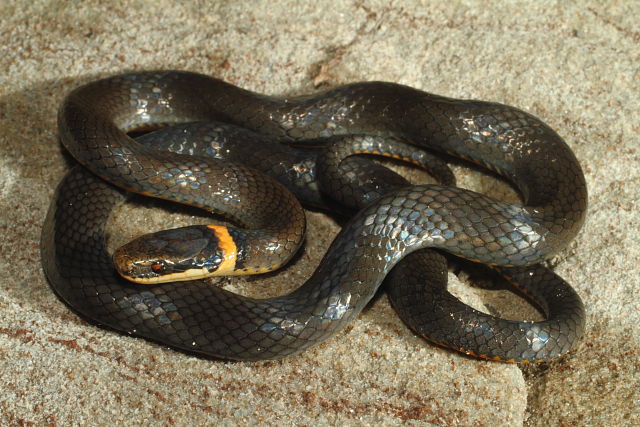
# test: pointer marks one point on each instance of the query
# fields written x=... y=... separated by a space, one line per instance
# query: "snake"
x=404 y=227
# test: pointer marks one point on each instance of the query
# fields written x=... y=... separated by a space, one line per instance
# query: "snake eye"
x=157 y=267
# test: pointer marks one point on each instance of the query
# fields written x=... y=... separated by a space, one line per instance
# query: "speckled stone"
x=574 y=65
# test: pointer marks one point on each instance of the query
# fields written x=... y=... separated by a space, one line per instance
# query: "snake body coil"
x=207 y=320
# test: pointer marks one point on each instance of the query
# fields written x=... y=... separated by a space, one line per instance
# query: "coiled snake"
x=197 y=317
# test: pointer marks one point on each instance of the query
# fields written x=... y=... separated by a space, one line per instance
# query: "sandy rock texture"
x=575 y=65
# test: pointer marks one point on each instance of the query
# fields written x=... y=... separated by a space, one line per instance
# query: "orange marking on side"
x=228 y=248
x=254 y=270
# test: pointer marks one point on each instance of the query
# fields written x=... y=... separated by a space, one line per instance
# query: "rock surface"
x=574 y=66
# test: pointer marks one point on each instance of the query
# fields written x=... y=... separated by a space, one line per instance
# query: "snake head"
x=179 y=254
